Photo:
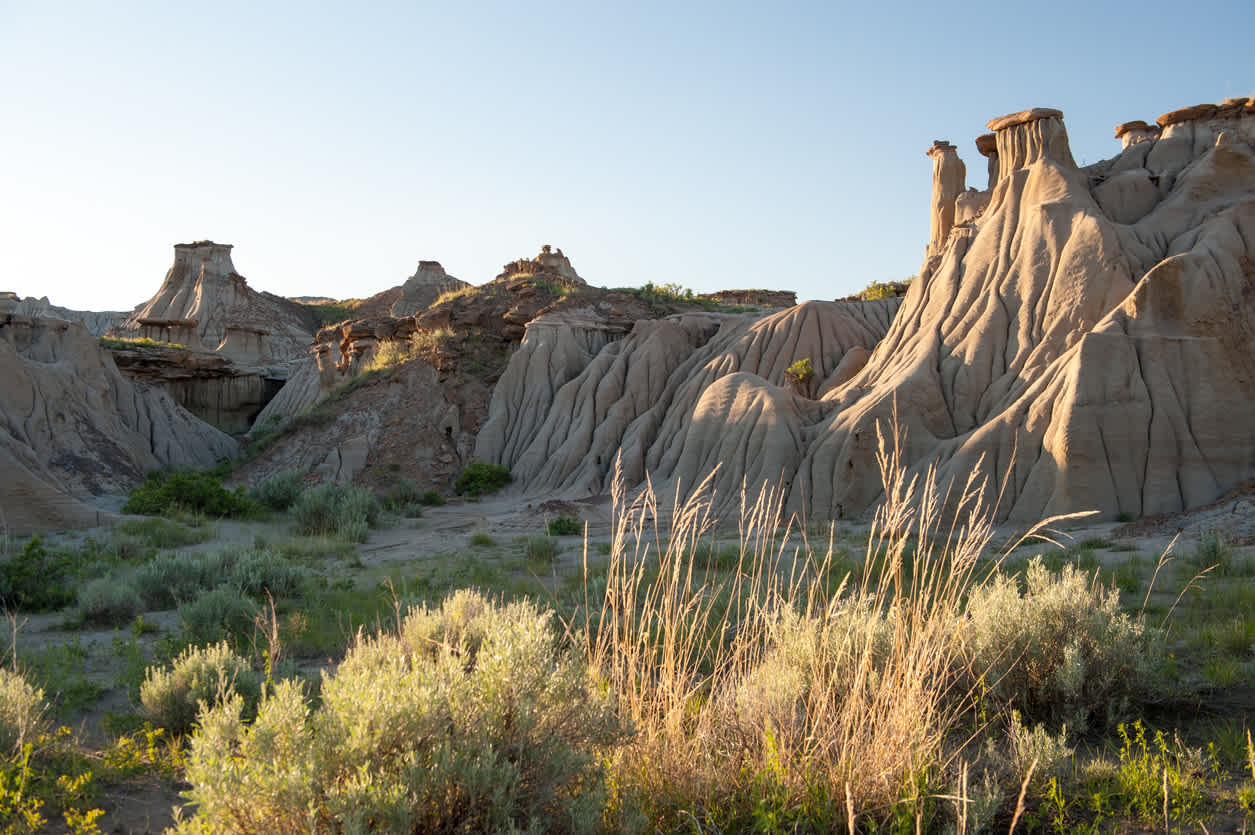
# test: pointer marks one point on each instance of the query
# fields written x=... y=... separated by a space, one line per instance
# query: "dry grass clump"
x=763 y=701
x=773 y=695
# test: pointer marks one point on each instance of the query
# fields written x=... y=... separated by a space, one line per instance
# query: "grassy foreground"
x=673 y=680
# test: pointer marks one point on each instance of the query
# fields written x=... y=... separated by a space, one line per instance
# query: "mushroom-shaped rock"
x=1131 y=133
x=987 y=144
x=949 y=176
x=1186 y=114
x=1028 y=136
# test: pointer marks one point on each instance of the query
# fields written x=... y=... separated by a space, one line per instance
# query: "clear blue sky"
x=713 y=145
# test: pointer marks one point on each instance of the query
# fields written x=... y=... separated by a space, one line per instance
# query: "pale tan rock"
x=202 y=286
x=1087 y=343
x=634 y=398
x=73 y=427
x=1028 y=136
x=969 y=205
x=96 y=322
x=1131 y=133
x=422 y=289
x=1127 y=196
x=949 y=179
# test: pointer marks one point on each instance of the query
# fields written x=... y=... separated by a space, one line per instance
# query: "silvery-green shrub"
x=469 y=718
x=23 y=712
x=200 y=677
x=109 y=601
x=218 y=613
x=1060 y=650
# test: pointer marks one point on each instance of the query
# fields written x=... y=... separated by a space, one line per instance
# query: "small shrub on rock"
x=479 y=478
x=469 y=718
x=172 y=696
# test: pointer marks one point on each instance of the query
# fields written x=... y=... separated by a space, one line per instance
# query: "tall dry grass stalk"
x=764 y=682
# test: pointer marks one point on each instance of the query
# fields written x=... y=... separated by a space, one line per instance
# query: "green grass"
x=120 y=343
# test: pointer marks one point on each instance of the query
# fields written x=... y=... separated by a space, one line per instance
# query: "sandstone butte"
x=1080 y=337
x=1084 y=338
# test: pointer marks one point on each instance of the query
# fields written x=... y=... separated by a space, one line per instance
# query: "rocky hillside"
x=386 y=397
x=73 y=427
x=1082 y=337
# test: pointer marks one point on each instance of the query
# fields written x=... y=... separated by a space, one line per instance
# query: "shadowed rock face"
x=73 y=426
x=1085 y=340
x=203 y=288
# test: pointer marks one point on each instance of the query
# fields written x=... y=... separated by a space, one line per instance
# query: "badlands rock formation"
x=421 y=290
x=1085 y=338
x=72 y=426
x=96 y=322
x=672 y=397
x=205 y=304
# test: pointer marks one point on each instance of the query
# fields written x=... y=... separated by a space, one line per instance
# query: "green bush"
x=280 y=491
x=336 y=510
x=564 y=526
x=1061 y=652
x=431 y=498
x=468 y=719
x=217 y=614
x=175 y=579
x=109 y=601
x=36 y=579
x=23 y=713
x=257 y=572
x=479 y=477
x=172 y=696
x=170 y=580
x=165 y=492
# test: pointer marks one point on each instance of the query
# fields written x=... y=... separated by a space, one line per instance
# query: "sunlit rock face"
x=203 y=292
x=1077 y=338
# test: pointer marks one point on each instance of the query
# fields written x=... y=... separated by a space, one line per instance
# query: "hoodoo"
x=204 y=294
x=1080 y=337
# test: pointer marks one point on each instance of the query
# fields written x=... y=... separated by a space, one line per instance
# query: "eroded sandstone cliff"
x=1083 y=337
